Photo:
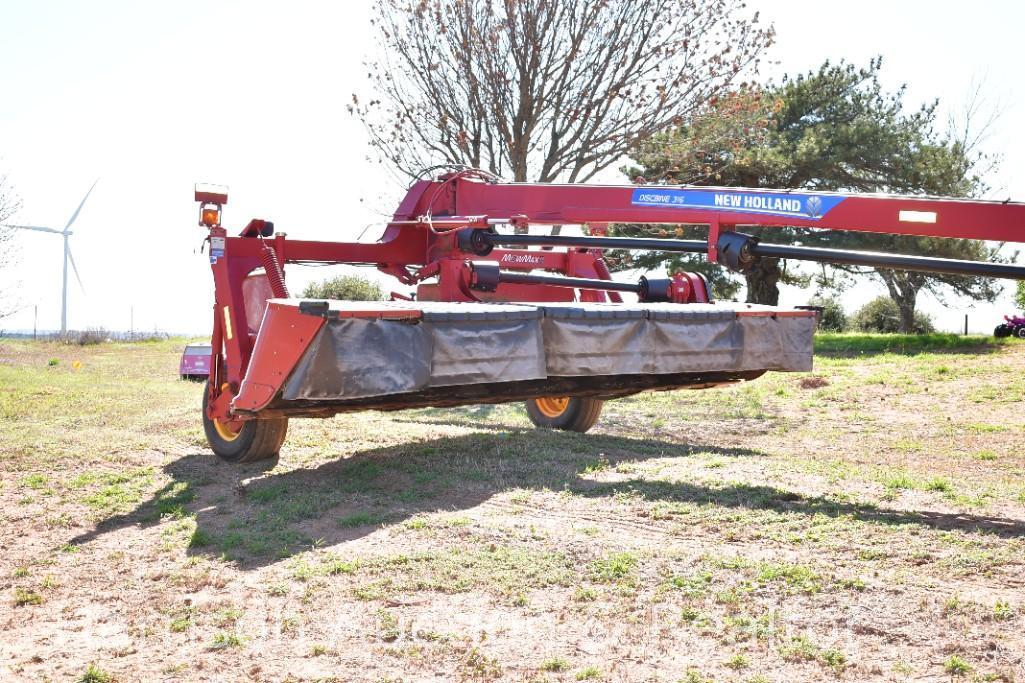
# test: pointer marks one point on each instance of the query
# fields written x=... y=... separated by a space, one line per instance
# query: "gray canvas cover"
x=355 y=357
x=451 y=344
x=478 y=343
x=778 y=343
x=594 y=339
x=664 y=338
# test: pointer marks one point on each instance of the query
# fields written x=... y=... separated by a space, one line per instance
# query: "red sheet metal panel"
x=284 y=335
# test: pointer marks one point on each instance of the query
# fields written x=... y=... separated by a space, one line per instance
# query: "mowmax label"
x=521 y=258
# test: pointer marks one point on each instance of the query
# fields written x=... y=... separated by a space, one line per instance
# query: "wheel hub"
x=227 y=430
x=552 y=406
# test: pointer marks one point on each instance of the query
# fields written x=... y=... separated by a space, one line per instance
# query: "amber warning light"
x=211 y=198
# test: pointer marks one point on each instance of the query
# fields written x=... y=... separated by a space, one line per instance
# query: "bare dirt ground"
x=863 y=523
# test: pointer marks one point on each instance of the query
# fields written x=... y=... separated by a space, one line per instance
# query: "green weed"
x=388 y=628
x=477 y=665
x=23 y=597
x=555 y=664
x=225 y=640
x=955 y=665
x=1002 y=611
x=615 y=567
x=93 y=674
x=738 y=662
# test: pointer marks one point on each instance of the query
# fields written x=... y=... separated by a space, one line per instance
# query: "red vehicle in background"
x=195 y=363
x=1014 y=325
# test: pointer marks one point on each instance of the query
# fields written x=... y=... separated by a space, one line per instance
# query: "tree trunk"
x=520 y=176
x=762 y=282
x=907 y=317
x=904 y=292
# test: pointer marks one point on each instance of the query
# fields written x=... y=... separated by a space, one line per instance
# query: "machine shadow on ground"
x=255 y=516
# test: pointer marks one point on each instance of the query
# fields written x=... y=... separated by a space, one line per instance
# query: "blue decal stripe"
x=794 y=205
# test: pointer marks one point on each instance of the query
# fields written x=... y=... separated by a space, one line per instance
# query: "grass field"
x=864 y=522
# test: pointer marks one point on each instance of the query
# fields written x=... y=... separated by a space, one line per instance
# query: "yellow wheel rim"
x=225 y=431
x=552 y=407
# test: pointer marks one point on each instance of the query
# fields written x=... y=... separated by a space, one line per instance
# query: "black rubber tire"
x=580 y=415
x=1002 y=330
x=1020 y=332
x=258 y=440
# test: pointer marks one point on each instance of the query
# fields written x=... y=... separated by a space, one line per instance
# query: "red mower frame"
x=443 y=240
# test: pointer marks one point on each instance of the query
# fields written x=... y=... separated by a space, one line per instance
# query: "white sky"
x=151 y=97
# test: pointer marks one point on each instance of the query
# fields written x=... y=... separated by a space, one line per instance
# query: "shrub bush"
x=346 y=288
x=93 y=335
x=833 y=318
x=882 y=315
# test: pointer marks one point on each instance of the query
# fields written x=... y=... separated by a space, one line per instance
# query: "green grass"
x=502 y=570
x=796 y=576
x=110 y=493
x=103 y=396
x=802 y=649
x=903 y=344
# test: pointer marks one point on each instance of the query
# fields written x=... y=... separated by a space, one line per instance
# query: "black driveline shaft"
x=760 y=249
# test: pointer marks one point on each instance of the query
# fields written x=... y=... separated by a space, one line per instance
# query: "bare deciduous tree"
x=971 y=127
x=9 y=203
x=547 y=89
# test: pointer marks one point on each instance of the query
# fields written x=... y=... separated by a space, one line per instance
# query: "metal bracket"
x=734 y=251
x=318 y=309
x=485 y=276
x=475 y=241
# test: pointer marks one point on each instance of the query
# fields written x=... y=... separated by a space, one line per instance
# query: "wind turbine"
x=68 y=258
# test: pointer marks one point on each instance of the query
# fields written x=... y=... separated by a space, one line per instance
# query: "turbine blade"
x=75 y=268
x=75 y=215
x=34 y=227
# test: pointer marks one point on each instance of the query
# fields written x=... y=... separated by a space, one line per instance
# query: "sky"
x=153 y=97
